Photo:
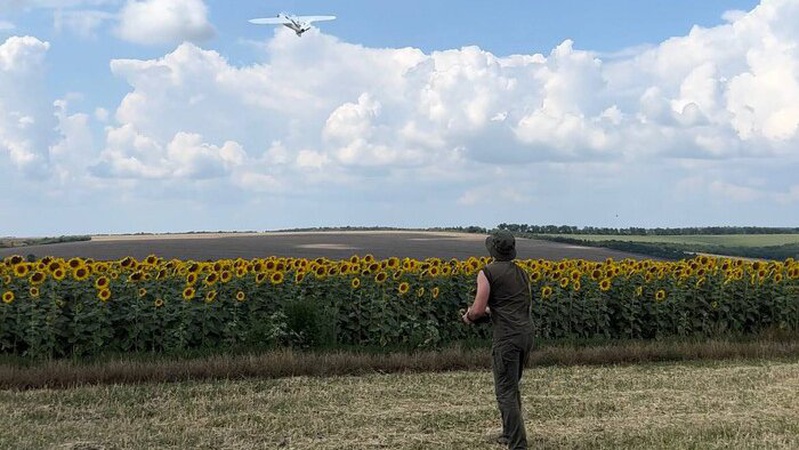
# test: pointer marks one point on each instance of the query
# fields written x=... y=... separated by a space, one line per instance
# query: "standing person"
x=503 y=293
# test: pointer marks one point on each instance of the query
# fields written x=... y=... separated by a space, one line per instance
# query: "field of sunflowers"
x=53 y=307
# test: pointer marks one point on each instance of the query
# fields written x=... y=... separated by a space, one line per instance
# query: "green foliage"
x=176 y=306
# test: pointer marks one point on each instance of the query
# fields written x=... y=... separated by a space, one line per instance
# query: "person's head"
x=501 y=245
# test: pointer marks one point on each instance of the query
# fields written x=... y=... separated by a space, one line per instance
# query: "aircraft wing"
x=269 y=21
x=309 y=19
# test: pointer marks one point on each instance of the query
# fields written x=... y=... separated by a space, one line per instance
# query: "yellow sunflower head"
x=81 y=273
x=22 y=269
x=104 y=294
x=403 y=288
x=188 y=293
x=355 y=283
x=8 y=297
x=277 y=278
x=37 y=278
x=241 y=296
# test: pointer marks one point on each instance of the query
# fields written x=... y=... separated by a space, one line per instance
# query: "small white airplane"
x=300 y=24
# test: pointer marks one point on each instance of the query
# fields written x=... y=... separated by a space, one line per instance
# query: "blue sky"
x=122 y=116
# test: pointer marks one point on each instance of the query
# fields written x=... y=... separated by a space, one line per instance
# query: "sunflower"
x=403 y=288
x=159 y=302
x=546 y=291
x=210 y=296
x=191 y=278
x=34 y=291
x=8 y=297
x=81 y=273
x=535 y=276
x=605 y=284
x=22 y=270
x=355 y=283
x=241 y=296
x=260 y=277
x=564 y=282
x=277 y=278
x=596 y=274
x=37 y=277
x=104 y=294
x=393 y=262
x=101 y=282
x=212 y=278
x=576 y=285
x=142 y=292
x=381 y=277
x=398 y=274
x=14 y=259
x=435 y=291
x=299 y=276
x=660 y=295
x=420 y=291
x=639 y=291
x=74 y=263
x=59 y=274
x=778 y=278
x=136 y=276
x=188 y=293
x=6 y=279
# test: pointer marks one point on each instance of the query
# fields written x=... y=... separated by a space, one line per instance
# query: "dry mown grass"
x=730 y=404
x=128 y=369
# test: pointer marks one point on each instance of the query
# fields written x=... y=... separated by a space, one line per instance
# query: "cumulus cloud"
x=164 y=21
x=25 y=118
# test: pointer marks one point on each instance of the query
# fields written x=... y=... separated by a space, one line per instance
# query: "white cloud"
x=356 y=111
x=164 y=21
x=25 y=118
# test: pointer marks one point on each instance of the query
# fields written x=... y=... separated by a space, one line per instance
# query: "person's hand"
x=465 y=317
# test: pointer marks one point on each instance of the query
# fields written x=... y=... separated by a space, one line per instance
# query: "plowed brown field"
x=334 y=245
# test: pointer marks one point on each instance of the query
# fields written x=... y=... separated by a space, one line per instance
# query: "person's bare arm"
x=479 y=307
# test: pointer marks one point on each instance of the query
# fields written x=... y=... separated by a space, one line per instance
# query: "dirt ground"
x=334 y=245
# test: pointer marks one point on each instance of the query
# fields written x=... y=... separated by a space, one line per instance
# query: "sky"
x=128 y=116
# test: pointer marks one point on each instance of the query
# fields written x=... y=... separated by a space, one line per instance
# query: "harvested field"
x=334 y=245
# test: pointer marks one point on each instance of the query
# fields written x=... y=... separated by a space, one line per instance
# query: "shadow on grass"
x=16 y=373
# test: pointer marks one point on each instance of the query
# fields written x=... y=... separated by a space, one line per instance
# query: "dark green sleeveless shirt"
x=510 y=300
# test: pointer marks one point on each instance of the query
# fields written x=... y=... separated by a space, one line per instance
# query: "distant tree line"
x=23 y=242
x=638 y=231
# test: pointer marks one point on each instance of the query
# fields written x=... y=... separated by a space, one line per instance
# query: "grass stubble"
x=701 y=404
